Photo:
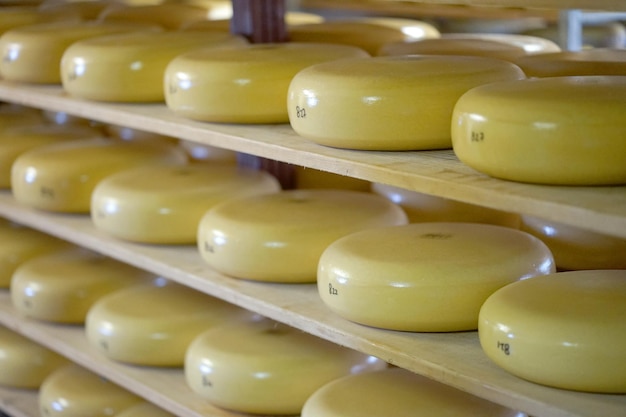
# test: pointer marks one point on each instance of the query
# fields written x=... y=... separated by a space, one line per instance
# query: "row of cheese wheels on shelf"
x=510 y=110
x=357 y=246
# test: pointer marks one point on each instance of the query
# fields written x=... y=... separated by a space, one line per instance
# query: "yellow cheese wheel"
x=17 y=140
x=447 y=46
x=425 y=277
x=130 y=67
x=61 y=287
x=292 y=17
x=368 y=36
x=387 y=103
x=84 y=9
x=164 y=204
x=23 y=362
x=15 y=16
x=153 y=324
x=540 y=131
x=73 y=391
x=261 y=366
x=421 y=207
x=279 y=237
x=565 y=330
x=169 y=15
x=19 y=243
x=33 y=53
x=413 y=29
x=61 y=177
x=597 y=61
x=395 y=392
x=531 y=44
x=576 y=248
x=243 y=84
x=144 y=409
x=306 y=178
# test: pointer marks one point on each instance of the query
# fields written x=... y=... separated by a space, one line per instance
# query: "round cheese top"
x=260 y=366
x=279 y=236
x=25 y=363
x=73 y=391
x=596 y=61
x=540 y=131
x=396 y=392
x=531 y=44
x=425 y=276
x=564 y=330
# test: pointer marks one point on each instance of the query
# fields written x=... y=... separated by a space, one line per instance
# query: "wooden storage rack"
x=455 y=359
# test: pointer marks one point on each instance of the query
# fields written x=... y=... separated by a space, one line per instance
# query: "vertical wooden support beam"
x=263 y=21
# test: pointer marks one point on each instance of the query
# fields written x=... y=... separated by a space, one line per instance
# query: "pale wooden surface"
x=455 y=359
x=18 y=402
x=602 y=209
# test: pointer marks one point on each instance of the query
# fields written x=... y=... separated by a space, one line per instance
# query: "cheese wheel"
x=387 y=103
x=84 y=9
x=307 y=178
x=164 y=204
x=144 y=409
x=531 y=44
x=368 y=36
x=576 y=248
x=17 y=140
x=137 y=60
x=413 y=29
x=425 y=277
x=261 y=366
x=243 y=84
x=62 y=176
x=446 y=46
x=279 y=237
x=15 y=16
x=169 y=15
x=395 y=392
x=19 y=243
x=32 y=54
x=540 y=131
x=73 y=391
x=598 y=61
x=23 y=362
x=61 y=287
x=421 y=207
x=292 y=17
x=564 y=330
x=153 y=324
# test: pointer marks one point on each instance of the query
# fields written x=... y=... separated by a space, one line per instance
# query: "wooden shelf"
x=452 y=358
x=19 y=402
x=440 y=173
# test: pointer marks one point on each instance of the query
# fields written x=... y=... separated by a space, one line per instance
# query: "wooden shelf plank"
x=164 y=387
x=455 y=358
x=440 y=173
x=19 y=402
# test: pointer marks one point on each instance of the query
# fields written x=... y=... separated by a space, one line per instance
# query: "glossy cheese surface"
x=564 y=330
x=395 y=392
x=261 y=366
x=421 y=207
x=164 y=204
x=388 y=103
x=447 y=46
x=243 y=84
x=425 y=277
x=137 y=60
x=61 y=287
x=23 y=362
x=576 y=248
x=153 y=324
x=413 y=29
x=32 y=54
x=19 y=243
x=73 y=391
x=279 y=237
x=597 y=61
x=169 y=15
x=541 y=131
x=17 y=140
x=531 y=44
x=61 y=177
x=368 y=36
